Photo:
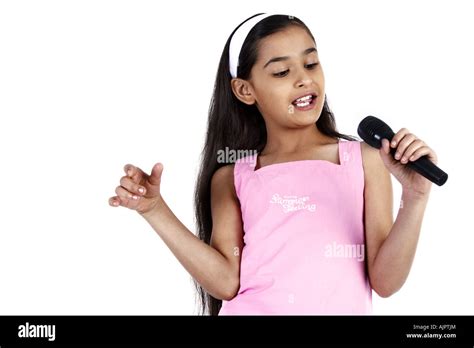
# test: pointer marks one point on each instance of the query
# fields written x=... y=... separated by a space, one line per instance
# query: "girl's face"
x=287 y=68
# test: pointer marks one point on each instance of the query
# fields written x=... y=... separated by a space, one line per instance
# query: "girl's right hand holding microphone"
x=138 y=190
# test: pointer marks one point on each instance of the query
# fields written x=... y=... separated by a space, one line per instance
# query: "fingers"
x=135 y=173
x=128 y=184
x=135 y=185
x=398 y=136
x=403 y=139
x=155 y=177
x=385 y=146
x=126 y=198
x=387 y=159
x=410 y=148
x=425 y=150
x=129 y=190
x=114 y=201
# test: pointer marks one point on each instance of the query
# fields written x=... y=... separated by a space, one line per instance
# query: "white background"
x=88 y=86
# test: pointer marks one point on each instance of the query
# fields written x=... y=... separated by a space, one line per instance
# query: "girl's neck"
x=292 y=141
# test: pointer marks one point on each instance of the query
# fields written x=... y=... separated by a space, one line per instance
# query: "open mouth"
x=305 y=102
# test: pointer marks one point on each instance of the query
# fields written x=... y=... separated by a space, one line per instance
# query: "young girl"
x=304 y=224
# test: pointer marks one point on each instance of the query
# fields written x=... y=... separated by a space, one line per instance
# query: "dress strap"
x=242 y=168
x=351 y=157
x=350 y=153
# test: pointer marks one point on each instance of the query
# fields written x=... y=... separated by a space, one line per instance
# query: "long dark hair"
x=236 y=125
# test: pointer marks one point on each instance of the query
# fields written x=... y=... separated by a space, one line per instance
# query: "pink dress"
x=304 y=249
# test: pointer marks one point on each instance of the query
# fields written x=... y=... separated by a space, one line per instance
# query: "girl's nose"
x=304 y=82
x=304 y=79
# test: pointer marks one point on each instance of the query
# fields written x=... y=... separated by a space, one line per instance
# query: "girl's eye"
x=310 y=66
x=284 y=73
x=281 y=73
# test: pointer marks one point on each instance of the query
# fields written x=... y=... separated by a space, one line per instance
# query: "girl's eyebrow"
x=278 y=59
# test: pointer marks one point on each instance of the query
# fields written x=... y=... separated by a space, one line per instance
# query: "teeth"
x=308 y=97
x=302 y=105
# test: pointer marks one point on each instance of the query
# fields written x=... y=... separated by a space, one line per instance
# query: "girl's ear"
x=243 y=91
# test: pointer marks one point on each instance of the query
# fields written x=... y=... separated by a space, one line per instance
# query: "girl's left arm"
x=391 y=246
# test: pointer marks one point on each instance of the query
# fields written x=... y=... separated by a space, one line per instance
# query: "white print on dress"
x=293 y=203
x=345 y=156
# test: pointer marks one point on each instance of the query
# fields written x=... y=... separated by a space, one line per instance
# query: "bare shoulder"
x=370 y=158
x=376 y=176
x=223 y=180
x=225 y=210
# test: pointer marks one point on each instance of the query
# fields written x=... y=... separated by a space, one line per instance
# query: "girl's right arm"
x=216 y=267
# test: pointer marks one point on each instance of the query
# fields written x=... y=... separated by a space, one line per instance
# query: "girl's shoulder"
x=370 y=157
x=376 y=175
x=223 y=179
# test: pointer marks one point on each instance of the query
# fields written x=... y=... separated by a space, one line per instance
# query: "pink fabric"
x=304 y=249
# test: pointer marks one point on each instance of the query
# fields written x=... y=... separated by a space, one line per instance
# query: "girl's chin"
x=304 y=120
x=304 y=114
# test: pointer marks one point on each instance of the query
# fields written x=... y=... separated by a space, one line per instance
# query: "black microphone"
x=372 y=131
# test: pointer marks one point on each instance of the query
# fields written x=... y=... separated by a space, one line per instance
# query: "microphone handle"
x=426 y=168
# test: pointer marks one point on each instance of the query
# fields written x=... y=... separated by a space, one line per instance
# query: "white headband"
x=238 y=40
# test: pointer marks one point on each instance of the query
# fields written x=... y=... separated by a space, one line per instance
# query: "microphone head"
x=372 y=130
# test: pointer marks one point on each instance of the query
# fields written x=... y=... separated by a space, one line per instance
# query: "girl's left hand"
x=409 y=149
